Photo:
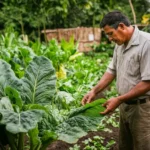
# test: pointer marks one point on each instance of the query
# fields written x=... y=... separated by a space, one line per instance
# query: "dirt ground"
x=61 y=145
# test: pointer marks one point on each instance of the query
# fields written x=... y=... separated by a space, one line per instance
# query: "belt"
x=138 y=101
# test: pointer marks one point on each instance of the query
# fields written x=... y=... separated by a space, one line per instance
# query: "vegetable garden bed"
x=41 y=87
x=92 y=139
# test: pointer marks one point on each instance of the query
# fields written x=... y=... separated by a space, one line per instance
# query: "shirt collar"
x=134 y=39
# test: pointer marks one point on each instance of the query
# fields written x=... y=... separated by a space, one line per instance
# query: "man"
x=130 y=67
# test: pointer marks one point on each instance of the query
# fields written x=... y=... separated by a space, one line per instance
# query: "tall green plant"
x=22 y=100
x=15 y=51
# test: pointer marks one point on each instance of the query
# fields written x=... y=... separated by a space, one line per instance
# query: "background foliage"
x=31 y=16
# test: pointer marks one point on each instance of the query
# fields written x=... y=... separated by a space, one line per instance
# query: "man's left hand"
x=111 y=105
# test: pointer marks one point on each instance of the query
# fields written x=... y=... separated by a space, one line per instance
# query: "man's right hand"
x=88 y=98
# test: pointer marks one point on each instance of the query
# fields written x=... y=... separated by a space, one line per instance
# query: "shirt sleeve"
x=145 y=62
x=112 y=65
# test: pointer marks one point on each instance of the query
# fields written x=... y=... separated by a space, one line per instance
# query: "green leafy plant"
x=80 y=121
x=97 y=142
x=23 y=107
x=15 y=51
x=104 y=47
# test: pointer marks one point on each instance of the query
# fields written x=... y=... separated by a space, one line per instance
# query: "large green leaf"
x=48 y=122
x=20 y=122
x=39 y=82
x=14 y=96
x=81 y=121
x=90 y=109
x=5 y=104
x=7 y=78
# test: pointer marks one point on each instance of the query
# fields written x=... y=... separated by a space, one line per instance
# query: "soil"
x=61 y=145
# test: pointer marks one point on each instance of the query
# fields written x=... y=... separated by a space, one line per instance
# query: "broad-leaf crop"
x=39 y=82
x=21 y=110
x=90 y=109
x=20 y=122
x=81 y=121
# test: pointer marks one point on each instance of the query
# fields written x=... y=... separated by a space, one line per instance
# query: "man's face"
x=115 y=35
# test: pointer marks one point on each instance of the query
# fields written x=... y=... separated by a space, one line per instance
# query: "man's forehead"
x=107 y=29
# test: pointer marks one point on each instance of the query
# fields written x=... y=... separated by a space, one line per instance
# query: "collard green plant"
x=7 y=78
x=90 y=109
x=20 y=122
x=81 y=121
x=39 y=82
x=17 y=122
x=35 y=88
x=37 y=85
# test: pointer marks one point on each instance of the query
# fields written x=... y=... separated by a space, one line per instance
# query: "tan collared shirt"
x=131 y=64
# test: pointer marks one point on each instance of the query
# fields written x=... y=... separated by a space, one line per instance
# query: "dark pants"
x=134 y=133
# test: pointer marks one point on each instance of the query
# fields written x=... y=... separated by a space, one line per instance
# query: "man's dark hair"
x=113 y=19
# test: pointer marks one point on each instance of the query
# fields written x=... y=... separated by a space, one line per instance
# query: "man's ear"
x=121 y=26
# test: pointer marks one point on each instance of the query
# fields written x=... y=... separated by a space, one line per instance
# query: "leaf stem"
x=21 y=141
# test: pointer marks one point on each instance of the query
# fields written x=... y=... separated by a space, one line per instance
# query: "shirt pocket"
x=133 y=67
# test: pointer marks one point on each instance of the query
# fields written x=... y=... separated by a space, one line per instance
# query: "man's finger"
x=89 y=100
x=83 y=101
x=105 y=112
